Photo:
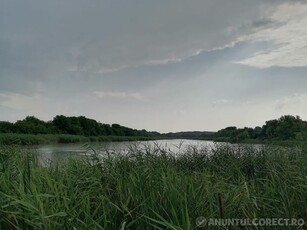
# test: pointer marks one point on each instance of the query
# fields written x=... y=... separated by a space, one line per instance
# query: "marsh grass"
x=152 y=188
x=36 y=139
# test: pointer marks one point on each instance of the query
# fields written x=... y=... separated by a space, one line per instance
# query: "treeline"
x=193 y=135
x=81 y=126
x=285 y=128
x=71 y=129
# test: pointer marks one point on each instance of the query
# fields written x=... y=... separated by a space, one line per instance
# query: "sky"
x=162 y=65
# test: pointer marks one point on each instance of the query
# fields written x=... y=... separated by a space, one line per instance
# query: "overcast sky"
x=164 y=65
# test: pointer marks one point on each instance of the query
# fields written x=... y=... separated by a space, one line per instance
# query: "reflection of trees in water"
x=47 y=155
x=58 y=154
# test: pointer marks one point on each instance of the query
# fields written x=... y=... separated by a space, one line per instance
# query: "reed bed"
x=37 y=139
x=153 y=188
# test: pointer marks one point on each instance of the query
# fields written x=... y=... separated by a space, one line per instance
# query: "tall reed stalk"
x=152 y=188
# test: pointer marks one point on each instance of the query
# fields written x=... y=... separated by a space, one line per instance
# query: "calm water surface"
x=60 y=152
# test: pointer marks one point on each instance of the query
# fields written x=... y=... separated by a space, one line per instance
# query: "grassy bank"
x=32 y=139
x=153 y=189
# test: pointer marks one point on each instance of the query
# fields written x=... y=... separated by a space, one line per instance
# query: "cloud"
x=50 y=39
x=220 y=102
x=20 y=102
x=287 y=29
x=119 y=95
x=144 y=59
x=292 y=102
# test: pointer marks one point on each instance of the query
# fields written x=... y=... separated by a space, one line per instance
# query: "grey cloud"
x=149 y=60
x=51 y=38
x=288 y=32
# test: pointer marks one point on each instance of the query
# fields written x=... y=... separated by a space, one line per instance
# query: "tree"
x=6 y=127
x=31 y=125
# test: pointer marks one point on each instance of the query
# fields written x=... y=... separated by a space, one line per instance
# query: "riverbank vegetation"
x=152 y=188
x=287 y=130
x=60 y=124
x=62 y=129
x=37 y=139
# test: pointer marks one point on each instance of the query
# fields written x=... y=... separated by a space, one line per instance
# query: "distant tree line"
x=285 y=128
x=193 y=135
x=70 y=125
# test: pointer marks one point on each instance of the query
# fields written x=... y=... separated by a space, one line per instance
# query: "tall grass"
x=152 y=188
x=36 y=139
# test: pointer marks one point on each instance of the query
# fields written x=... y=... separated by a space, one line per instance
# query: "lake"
x=60 y=152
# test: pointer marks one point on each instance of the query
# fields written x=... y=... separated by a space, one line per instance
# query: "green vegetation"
x=60 y=124
x=31 y=139
x=286 y=129
x=151 y=188
x=67 y=130
x=193 y=135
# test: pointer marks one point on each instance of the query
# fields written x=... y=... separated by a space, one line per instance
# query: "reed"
x=152 y=188
x=37 y=139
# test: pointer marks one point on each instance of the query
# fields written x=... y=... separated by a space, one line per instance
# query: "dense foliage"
x=64 y=129
x=194 y=135
x=285 y=128
x=152 y=188
x=70 y=125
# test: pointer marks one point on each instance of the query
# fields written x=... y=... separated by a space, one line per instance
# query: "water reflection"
x=58 y=153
